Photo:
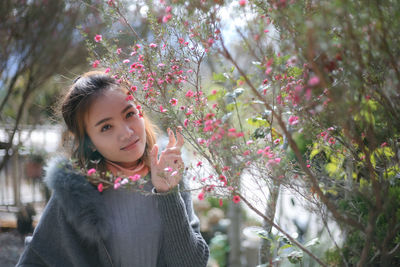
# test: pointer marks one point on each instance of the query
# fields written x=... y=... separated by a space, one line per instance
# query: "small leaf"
x=312 y=242
x=219 y=77
x=237 y=92
x=295 y=257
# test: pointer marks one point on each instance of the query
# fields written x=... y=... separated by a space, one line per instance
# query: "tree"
x=310 y=104
x=39 y=41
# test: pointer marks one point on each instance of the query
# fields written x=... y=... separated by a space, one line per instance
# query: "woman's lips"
x=130 y=146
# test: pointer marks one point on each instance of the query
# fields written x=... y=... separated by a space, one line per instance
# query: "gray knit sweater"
x=82 y=227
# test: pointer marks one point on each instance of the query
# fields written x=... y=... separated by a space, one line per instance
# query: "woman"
x=87 y=224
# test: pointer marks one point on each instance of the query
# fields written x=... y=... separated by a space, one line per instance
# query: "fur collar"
x=80 y=200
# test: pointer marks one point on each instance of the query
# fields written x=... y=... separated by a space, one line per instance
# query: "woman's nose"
x=126 y=132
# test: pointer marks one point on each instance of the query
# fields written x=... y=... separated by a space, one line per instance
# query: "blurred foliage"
x=303 y=95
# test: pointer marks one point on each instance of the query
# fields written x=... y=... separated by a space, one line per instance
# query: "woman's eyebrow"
x=126 y=108
x=106 y=119
x=101 y=121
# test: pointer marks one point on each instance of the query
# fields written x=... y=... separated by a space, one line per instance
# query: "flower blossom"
x=98 y=38
x=173 y=101
x=313 y=81
x=96 y=63
x=200 y=196
x=100 y=187
x=236 y=199
x=293 y=120
x=135 y=178
x=162 y=110
x=91 y=171
x=153 y=45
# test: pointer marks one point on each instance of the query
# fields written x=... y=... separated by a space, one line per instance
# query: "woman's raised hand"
x=166 y=171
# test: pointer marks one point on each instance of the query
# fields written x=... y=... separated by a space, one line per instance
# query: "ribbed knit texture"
x=135 y=228
x=183 y=244
x=153 y=229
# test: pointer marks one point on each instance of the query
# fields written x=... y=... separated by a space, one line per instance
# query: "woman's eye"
x=130 y=114
x=105 y=127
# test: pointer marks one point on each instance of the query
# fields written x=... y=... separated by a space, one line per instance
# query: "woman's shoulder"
x=61 y=175
x=80 y=202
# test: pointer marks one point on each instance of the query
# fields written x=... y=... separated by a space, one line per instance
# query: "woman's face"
x=115 y=128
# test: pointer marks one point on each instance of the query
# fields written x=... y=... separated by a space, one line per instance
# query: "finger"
x=154 y=155
x=172 y=140
x=172 y=151
x=179 y=136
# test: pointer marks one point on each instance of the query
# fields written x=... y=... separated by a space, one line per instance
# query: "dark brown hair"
x=75 y=106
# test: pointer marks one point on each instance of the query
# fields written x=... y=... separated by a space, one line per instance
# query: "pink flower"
x=277 y=160
x=222 y=178
x=199 y=163
x=166 y=18
x=168 y=169
x=168 y=9
x=308 y=166
x=277 y=141
x=186 y=121
x=323 y=134
x=135 y=178
x=126 y=61
x=96 y=63
x=124 y=181
x=293 y=120
x=119 y=51
x=117 y=180
x=384 y=144
x=313 y=81
x=100 y=187
x=232 y=130
x=98 y=38
x=162 y=110
x=161 y=65
x=332 y=141
x=174 y=173
x=133 y=88
x=91 y=171
x=116 y=186
x=189 y=112
x=173 y=101
x=221 y=203
x=246 y=153
x=249 y=142
x=153 y=45
x=236 y=199
x=107 y=70
x=200 y=196
x=189 y=93
x=129 y=98
x=242 y=2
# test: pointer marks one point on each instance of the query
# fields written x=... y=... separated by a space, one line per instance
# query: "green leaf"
x=219 y=77
x=258 y=122
x=312 y=242
x=295 y=257
x=294 y=71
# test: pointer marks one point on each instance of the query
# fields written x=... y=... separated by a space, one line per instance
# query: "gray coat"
x=73 y=229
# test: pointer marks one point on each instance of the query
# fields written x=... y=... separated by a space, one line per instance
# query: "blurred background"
x=42 y=50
